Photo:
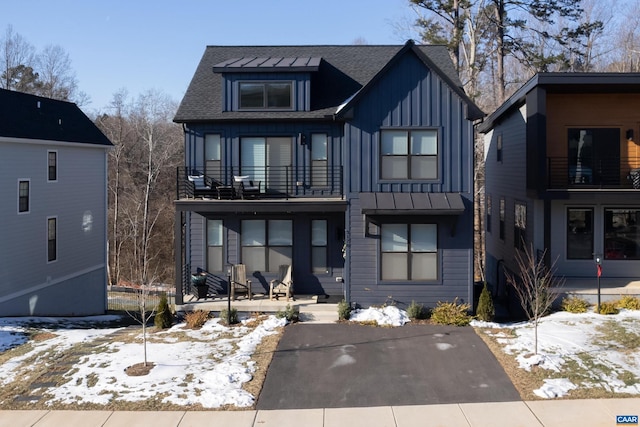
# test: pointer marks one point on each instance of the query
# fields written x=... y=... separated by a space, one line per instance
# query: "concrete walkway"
x=548 y=413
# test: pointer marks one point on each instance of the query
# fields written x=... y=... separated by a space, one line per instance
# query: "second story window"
x=23 y=196
x=409 y=154
x=502 y=208
x=499 y=149
x=52 y=163
x=276 y=95
x=212 y=156
x=319 y=160
x=488 y=211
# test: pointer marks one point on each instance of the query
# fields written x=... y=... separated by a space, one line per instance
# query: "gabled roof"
x=565 y=83
x=343 y=71
x=34 y=117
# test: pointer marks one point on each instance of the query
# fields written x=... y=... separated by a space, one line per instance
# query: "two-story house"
x=562 y=159
x=353 y=164
x=53 y=218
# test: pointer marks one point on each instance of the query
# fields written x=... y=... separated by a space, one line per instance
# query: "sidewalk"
x=548 y=413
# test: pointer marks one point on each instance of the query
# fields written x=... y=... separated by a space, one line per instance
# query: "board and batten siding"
x=29 y=284
x=410 y=96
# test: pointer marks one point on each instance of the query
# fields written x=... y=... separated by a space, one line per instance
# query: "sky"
x=142 y=45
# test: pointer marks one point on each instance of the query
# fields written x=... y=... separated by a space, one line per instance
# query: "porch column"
x=177 y=248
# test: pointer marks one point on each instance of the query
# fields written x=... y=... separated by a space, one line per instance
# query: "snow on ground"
x=599 y=350
x=388 y=315
x=206 y=366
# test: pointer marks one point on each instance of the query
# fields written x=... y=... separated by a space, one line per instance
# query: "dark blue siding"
x=409 y=96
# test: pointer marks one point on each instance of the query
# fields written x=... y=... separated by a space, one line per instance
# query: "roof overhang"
x=411 y=204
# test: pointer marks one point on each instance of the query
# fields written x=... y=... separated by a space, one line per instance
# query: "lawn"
x=67 y=363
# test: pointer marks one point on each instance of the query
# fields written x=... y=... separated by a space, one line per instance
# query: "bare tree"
x=142 y=314
x=533 y=285
x=15 y=52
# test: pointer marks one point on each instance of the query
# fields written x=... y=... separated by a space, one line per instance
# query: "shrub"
x=344 y=311
x=575 y=304
x=164 y=316
x=416 y=311
x=608 y=307
x=451 y=313
x=292 y=314
x=486 y=310
x=232 y=316
x=195 y=319
x=629 y=302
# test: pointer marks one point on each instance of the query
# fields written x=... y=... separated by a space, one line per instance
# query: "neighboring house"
x=53 y=215
x=363 y=159
x=561 y=159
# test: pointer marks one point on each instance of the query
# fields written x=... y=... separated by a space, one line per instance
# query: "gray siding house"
x=53 y=177
x=562 y=162
x=361 y=163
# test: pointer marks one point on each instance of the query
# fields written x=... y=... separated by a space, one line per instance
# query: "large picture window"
x=214 y=245
x=621 y=234
x=409 y=252
x=277 y=95
x=267 y=160
x=579 y=233
x=266 y=244
x=409 y=154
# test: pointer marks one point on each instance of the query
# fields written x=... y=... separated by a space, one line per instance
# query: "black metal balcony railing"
x=606 y=173
x=272 y=182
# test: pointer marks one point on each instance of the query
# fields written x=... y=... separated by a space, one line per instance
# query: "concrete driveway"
x=349 y=365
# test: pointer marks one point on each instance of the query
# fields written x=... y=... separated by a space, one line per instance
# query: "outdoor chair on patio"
x=239 y=281
x=283 y=284
x=247 y=188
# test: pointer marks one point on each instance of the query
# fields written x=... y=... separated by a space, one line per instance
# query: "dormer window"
x=272 y=95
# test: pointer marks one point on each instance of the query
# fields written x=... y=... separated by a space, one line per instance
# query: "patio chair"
x=239 y=281
x=247 y=188
x=202 y=185
x=283 y=284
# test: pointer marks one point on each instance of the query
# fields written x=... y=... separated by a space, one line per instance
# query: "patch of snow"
x=388 y=315
x=557 y=387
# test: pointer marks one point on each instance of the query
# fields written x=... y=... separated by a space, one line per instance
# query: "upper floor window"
x=52 y=163
x=23 y=195
x=488 y=211
x=409 y=154
x=277 y=95
x=502 y=209
x=319 y=160
x=520 y=226
x=499 y=148
x=212 y=156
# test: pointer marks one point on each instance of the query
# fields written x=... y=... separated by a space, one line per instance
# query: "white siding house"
x=53 y=183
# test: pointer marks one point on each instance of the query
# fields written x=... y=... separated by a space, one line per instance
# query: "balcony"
x=269 y=182
x=606 y=173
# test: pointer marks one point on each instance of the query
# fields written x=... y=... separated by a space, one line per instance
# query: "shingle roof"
x=34 y=117
x=342 y=72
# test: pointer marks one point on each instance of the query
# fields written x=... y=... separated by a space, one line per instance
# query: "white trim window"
x=52 y=166
x=24 y=196
x=409 y=252
x=319 y=160
x=52 y=239
x=319 y=244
